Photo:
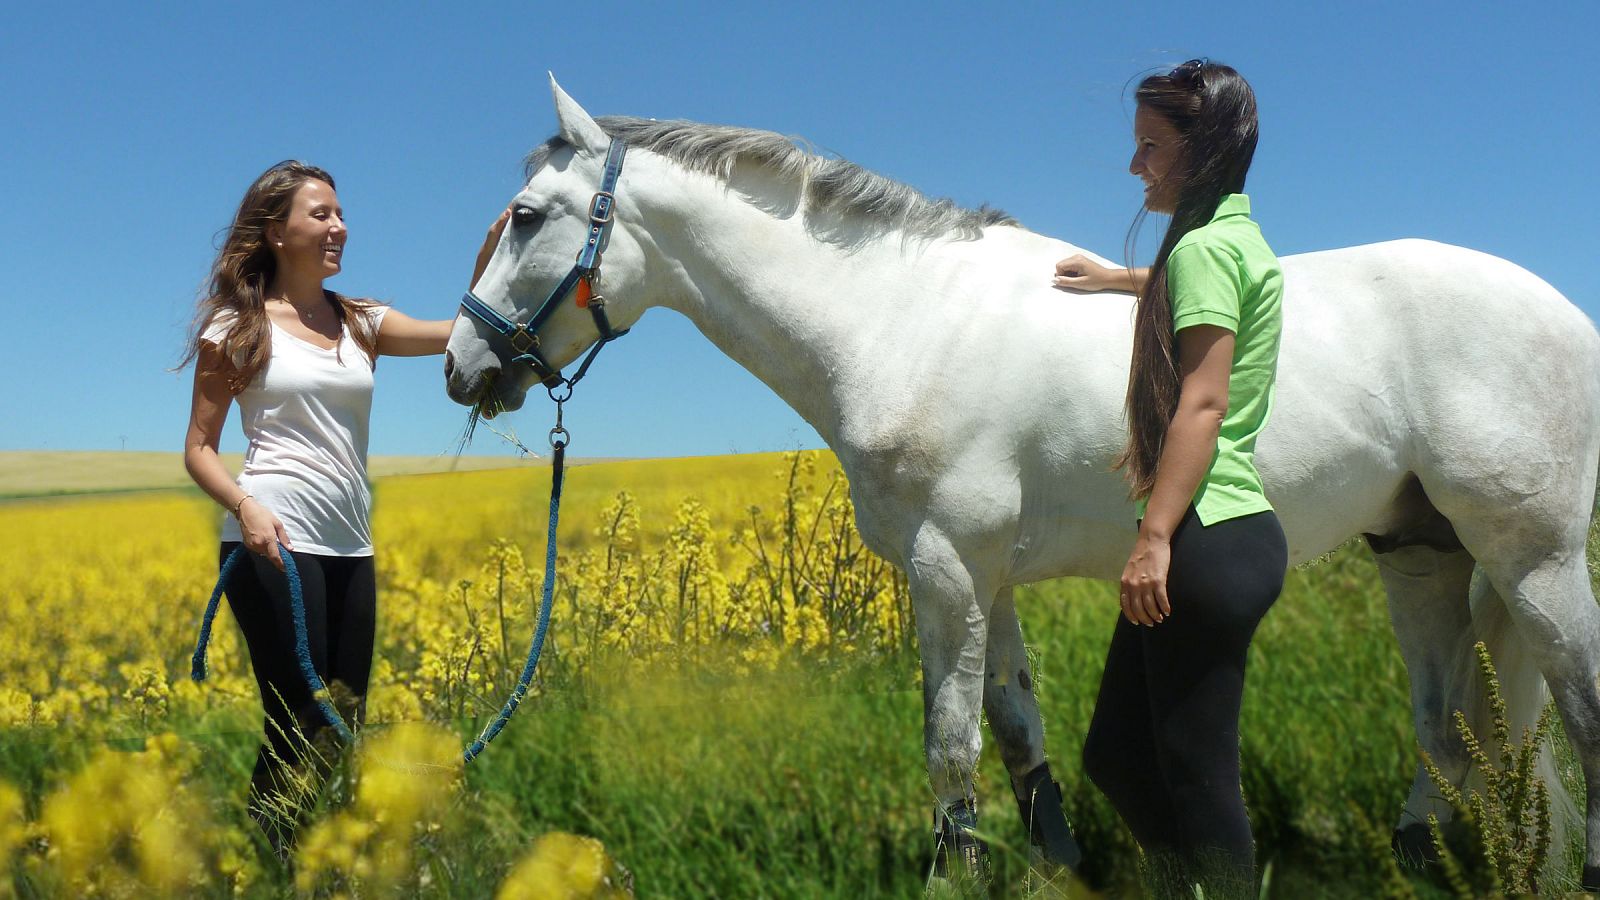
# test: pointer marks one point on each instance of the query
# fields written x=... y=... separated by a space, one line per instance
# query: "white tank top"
x=305 y=416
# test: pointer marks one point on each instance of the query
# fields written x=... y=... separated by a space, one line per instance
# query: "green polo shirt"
x=1223 y=273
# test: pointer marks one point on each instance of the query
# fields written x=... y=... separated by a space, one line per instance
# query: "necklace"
x=309 y=316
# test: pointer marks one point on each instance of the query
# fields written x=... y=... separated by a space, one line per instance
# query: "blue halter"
x=523 y=338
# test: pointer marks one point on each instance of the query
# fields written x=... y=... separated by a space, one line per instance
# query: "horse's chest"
x=883 y=514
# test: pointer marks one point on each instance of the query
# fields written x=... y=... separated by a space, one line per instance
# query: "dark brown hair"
x=1214 y=112
x=243 y=270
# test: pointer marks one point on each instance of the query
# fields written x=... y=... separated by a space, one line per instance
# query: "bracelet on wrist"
x=240 y=504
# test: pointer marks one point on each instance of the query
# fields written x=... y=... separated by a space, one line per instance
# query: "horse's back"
x=1447 y=319
x=1431 y=287
x=1393 y=355
x=1494 y=374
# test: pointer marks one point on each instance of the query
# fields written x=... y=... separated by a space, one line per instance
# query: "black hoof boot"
x=1591 y=879
x=1413 y=846
x=958 y=854
x=1039 y=802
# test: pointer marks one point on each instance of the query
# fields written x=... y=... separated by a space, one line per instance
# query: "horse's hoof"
x=1047 y=879
x=1413 y=846
x=1591 y=879
x=1040 y=804
x=958 y=854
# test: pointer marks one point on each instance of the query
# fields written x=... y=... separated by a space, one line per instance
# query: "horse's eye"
x=524 y=216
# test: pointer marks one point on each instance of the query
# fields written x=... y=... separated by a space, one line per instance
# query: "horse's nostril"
x=449 y=364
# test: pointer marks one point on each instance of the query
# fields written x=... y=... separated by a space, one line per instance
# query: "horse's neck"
x=813 y=321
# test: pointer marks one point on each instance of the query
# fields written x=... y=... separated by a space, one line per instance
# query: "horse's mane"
x=828 y=185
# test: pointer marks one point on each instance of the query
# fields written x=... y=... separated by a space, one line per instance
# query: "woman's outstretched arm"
x=401 y=335
x=1080 y=273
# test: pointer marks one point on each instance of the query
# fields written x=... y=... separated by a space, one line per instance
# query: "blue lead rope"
x=545 y=602
x=302 y=641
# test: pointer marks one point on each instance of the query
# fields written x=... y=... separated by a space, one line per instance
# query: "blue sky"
x=133 y=130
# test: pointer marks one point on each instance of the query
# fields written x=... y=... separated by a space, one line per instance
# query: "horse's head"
x=487 y=363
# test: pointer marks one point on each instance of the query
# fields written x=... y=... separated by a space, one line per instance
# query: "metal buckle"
x=598 y=217
x=528 y=336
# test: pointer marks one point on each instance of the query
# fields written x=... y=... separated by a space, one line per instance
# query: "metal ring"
x=551 y=390
x=562 y=431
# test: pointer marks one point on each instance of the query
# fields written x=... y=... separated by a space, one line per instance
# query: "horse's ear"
x=578 y=128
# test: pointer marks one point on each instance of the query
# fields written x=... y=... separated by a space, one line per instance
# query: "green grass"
x=786 y=786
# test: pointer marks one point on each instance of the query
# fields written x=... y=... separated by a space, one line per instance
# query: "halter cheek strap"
x=582 y=279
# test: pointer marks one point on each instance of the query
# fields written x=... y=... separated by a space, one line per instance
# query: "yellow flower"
x=406 y=778
x=563 y=866
x=122 y=806
x=12 y=832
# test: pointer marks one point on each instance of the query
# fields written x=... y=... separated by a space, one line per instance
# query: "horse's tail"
x=1525 y=693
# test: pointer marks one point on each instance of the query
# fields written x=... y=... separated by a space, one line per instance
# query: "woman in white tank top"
x=299 y=361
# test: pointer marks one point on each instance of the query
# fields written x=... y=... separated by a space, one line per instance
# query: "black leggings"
x=340 y=596
x=1164 y=741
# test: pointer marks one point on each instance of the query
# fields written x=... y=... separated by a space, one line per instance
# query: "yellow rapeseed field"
x=724 y=562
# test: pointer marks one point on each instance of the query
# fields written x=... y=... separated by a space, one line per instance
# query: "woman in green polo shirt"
x=1210 y=556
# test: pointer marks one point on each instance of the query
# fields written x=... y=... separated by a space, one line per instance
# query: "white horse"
x=1444 y=402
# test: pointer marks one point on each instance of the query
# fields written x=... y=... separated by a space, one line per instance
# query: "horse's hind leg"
x=1427 y=591
x=1525 y=517
x=1551 y=603
x=1013 y=714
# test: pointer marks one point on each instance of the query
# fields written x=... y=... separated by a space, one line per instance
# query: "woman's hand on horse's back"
x=1080 y=273
x=262 y=531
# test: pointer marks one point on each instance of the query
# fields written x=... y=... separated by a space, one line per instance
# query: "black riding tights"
x=1164 y=741
x=340 y=596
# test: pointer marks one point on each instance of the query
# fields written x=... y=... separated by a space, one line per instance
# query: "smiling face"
x=310 y=240
x=1157 y=160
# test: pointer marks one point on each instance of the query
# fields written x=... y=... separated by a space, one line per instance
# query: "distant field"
x=43 y=473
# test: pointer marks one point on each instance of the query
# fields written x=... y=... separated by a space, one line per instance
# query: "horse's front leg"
x=952 y=626
x=1013 y=714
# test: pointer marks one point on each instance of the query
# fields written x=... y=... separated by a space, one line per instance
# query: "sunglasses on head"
x=1190 y=69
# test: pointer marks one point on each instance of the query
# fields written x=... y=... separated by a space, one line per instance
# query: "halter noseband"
x=584 y=277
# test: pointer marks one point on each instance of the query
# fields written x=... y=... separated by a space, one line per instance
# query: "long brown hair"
x=1214 y=111
x=244 y=268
